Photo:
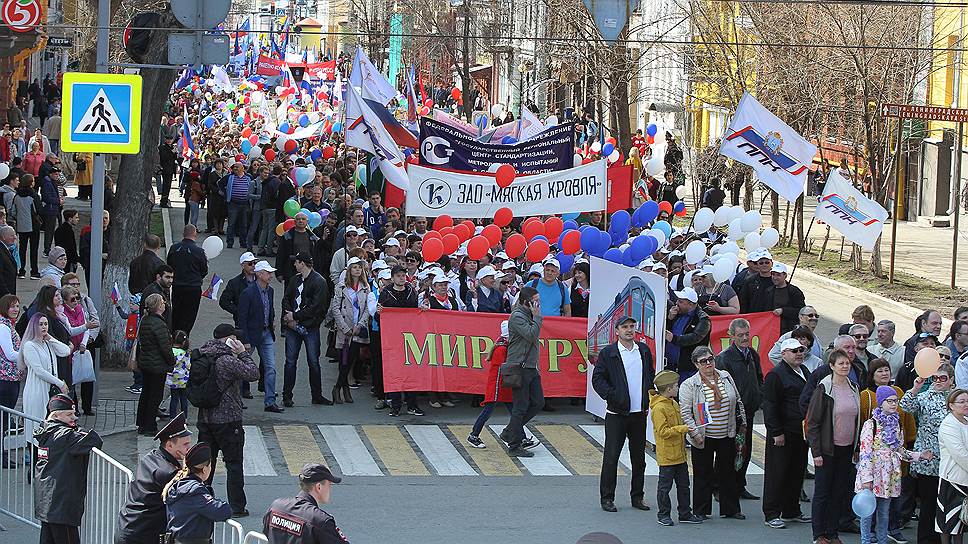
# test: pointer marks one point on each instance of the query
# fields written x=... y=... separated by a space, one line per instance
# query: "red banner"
x=267 y=66
x=322 y=70
x=438 y=350
x=764 y=332
x=619 y=188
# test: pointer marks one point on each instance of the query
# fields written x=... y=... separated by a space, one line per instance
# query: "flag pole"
x=806 y=238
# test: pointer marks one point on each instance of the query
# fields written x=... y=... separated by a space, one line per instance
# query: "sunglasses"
x=800 y=349
x=891 y=400
x=811 y=315
x=74 y=284
x=941 y=378
x=943 y=356
x=862 y=336
x=706 y=361
x=73 y=299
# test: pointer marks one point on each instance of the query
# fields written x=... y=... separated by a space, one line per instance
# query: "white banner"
x=780 y=156
x=852 y=214
x=622 y=290
x=470 y=195
x=302 y=133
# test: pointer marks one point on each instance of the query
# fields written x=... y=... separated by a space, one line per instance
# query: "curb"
x=849 y=290
x=166 y=223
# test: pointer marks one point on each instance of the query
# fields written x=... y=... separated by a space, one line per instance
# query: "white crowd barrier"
x=16 y=493
x=253 y=537
x=107 y=486
x=229 y=532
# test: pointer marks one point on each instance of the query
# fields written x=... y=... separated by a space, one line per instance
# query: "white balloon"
x=4 y=170
x=281 y=143
x=695 y=251
x=578 y=160
x=493 y=167
x=497 y=110
x=735 y=212
x=752 y=241
x=551 y=121
x=596 y=147
x=769 y=237
x=255 y=152
x=735 y=232
x=614 y=156
x=212 y=246
x=730 y=247
x=721 y=217
x=723 y=269
x=703 y=219
x=658 y=235
x=751 y=221
x=655 y=166
x=681 y=193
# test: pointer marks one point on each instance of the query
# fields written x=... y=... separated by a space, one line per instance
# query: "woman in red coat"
x=493 y=391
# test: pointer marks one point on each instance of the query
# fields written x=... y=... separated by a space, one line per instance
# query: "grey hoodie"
x=523 y=331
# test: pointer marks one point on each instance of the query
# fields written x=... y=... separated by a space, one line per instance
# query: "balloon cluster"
x=739 y=225
x=291 y=209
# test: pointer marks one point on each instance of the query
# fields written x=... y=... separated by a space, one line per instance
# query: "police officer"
x=61 y=485
x=299 y=519
x=143 y=519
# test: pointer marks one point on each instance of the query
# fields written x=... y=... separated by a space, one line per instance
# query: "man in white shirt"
x=886 y=347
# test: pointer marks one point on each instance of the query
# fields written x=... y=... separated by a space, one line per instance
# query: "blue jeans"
x=294 y=342
x=252 y=236
x=882 y=512
x=486 y=415
x=193 y=212
x=178 y=401
x=267 y=356
x=238 y=223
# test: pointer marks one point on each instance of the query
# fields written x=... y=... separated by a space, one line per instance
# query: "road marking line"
x=351 y=454
x=575 y=449
x=542 y=464
x=256 y=460
x=493 y=461
x=439 y=451
x=597 y=432
x=395 y=451
x=298 y=446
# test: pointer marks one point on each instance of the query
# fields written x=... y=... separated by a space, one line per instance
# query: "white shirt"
x=893 y=354
x=632 y=359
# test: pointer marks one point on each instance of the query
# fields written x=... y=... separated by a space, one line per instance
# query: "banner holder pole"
x=806 y=238
x=897 y=199
x=956 y=204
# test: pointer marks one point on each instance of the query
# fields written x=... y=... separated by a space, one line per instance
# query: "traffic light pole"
x=97 y=196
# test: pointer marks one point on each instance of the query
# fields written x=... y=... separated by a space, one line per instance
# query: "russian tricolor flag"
x=188 y=144
x=115 y=293
x=702 y=414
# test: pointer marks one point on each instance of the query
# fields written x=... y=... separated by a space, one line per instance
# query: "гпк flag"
x=779 y=155
x=844 y=208
x=365 y=130
x=369 y=81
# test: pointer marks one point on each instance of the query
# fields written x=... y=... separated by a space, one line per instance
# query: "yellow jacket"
x=670 y=431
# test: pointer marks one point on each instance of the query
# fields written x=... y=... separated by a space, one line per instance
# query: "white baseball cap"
x=689 y=294
x=384 y=274
x=247 y=257
x=765 y=254
x=779 y=267
x=379 y=264
x=501 y=255
x=790 y=343
x=263 y=266
x=440 y=278
x=399 y=233
x=485 y=272
x=352 y=261
x=552 y=262
x=536 y=268
x=509 y=265
x=391 y=242
x=659 y=265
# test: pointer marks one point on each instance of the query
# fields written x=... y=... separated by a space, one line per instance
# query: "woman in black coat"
x=155 y=360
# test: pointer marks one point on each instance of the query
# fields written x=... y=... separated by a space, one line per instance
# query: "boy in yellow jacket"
x=670 y=446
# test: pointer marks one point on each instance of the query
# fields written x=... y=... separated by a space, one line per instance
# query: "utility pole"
x=97 y=195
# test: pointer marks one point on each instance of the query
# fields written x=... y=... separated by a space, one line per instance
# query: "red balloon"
x=681 y=214
x=553 y=227
x=253 y=139
x=429 y=103
x=432 y=249
x=665 y=206
x=270 y=154
x=477 y=247
x=532 y=229
x=290 y=223
x=571 y=243
x=329 y=152
x=246 y=132
x=515 y=246
x=462 y=232
x=537 y=250
x=445 y=231
x=503 y=217
x=504 y=175
x=291 y=146
x=431 y=234
x=650 y=140
x=451 y=243
x=470 y=225
x=443 y=221
x=455 y=93
x=493 y=234
x=611 y=140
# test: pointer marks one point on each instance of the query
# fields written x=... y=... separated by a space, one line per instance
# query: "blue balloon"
x=240 y=119
x=619 y=237
x=605 y=242
x=583 y=228
x=337 y=127
x=566 y=262
x=652 y=130
x=246 y=146
x=589 y=239
x=678 y=206
x=315 y=220
x=305 y=211
x=508 y=140
x=316 y=154
x=653 y=245
x=561 y=238
x=569 y=224
x=615 y=255
x=540 y=237
x=640 y=247
x=650 y=210
x=864 y=503
x=621 y=221
x=628 y=258
x=573 y=215
x=209 y=122
x=664 y=227
x=284 y=128
x=304 y=120
x=607 y=149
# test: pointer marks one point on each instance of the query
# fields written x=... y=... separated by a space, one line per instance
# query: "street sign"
x=21 y=15
x=61 y=42
x=211 y=48
x=927 y=113
x=101 y=113
x=199 y=15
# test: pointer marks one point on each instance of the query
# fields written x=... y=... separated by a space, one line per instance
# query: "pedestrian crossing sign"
x=101 y=113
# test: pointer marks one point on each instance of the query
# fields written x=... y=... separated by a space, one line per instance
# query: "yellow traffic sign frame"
x=72 y=142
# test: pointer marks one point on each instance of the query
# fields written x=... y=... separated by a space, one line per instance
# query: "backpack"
x=561 y=288
x=203 y=390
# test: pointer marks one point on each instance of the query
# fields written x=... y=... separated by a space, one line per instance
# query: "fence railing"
x=229 y=532
x=107 y=485
x=253 y=537
x=17 y=458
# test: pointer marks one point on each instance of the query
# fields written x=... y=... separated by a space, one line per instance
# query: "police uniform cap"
x=200 y=454
x=59 y=402
x=175 y=429
x=315 y=472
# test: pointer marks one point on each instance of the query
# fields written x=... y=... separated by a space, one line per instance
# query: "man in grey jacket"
x=524 y=327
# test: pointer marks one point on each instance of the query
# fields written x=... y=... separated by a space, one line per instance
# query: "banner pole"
x=956 y=204
x=806 y=237
x=897 y=198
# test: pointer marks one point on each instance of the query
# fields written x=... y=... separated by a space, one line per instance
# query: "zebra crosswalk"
x=432 y=450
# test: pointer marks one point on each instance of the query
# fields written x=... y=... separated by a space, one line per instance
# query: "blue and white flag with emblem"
x=364 y=129
x=844 y=208
x=780 y=156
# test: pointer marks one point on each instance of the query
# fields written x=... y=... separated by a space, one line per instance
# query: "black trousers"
x=32 y=238
x=50 y=225
x=528 y=401
x=679 y=475
x=927 y=489
x=747 y=452
x=56 y=533
x=783 y=477
x=618 y=427
x=376 y=364
x=152 y=391
x=229 y=438
x=830 y=485
x=185 y=301
x=717 y=458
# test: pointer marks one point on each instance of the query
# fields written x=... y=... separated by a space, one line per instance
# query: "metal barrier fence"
x=16 y=493
x=229 y=532
x=107 y=485
x=253 y=537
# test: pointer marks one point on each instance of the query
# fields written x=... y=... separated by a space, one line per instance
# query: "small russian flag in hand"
x=115 y=293
x=212 y=291
x=703 y=417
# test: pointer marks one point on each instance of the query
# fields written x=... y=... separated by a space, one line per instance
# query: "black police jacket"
x=143 y=517
x=60 y=485
x=298 y=519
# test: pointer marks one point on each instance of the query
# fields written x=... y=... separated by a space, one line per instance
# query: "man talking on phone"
x=524 y=328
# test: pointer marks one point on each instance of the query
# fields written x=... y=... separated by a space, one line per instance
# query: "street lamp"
x=523 y=68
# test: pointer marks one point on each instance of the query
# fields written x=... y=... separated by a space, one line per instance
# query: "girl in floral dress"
x=879 y=465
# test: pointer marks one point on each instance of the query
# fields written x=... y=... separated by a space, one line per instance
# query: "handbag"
x=80 y=165
x=53 y=389
x=512 y=375
x=82 y=367
x=133 y=357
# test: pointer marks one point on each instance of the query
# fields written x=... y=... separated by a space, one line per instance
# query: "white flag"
x=531 y=126
x=221 y=78
x=780 y=156
x=369 y=81
x=844 y=208
x=365 y=130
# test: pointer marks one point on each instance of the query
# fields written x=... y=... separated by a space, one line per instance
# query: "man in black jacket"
x=166 y=161
x=66 y=238
x=785 y=298
x=786 y=450
x=229 y=299
x=297 y=240
x=623 y=377
x=753 y=295
x=60 y=487
x=8 y=265
x=688 y=327
x=304 y=306
x=164 y=275
x=399 y=295
x=191 y=266
x=743 y=364
x=142 y=269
